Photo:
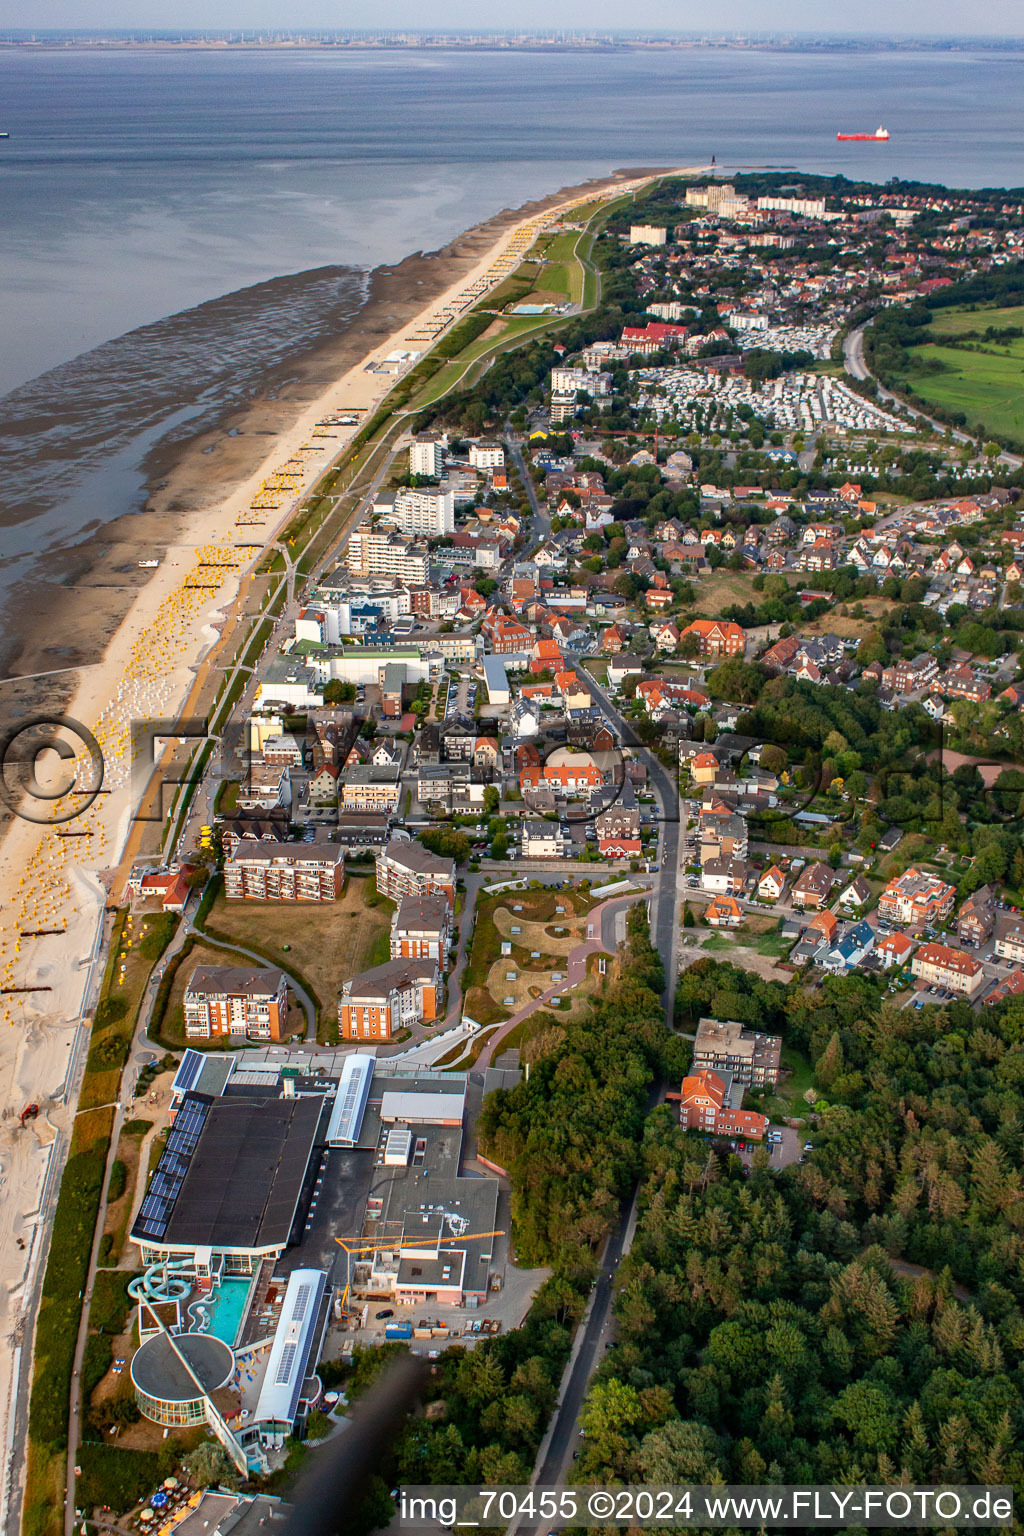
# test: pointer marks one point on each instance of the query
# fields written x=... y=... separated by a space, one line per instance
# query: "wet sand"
x=69 y=617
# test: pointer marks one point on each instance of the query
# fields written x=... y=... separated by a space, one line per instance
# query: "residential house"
x=894 y=949
x=724 y=876
x=771 y=884
x=977 y=916
x=724 y=912
x=952 y=969
x=717 y=637
x=812 y=886
x=856 y=896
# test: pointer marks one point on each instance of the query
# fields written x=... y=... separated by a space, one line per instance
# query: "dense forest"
x=859 y=1317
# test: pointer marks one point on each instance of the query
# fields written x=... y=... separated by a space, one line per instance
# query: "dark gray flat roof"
x=246 y=1173
x=157 y=1371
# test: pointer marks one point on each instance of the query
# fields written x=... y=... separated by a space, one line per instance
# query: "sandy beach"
x=147 y=668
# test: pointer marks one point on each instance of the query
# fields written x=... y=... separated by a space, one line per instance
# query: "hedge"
x=118 y=1181
x=60 y=1307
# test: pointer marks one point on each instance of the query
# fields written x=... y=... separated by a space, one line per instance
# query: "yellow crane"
x=393 y=1243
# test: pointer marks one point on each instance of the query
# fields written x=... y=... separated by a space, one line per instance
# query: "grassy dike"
x=74 y=1224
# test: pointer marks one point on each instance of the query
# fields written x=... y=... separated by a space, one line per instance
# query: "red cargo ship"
x=878 y=137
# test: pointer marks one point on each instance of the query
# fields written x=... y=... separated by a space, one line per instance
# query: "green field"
x=961 y=322
x=986 y=382
x=988 y=385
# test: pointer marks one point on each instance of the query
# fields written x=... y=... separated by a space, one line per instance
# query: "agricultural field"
x=962 y=321
x=987 y=385
x=986 y=382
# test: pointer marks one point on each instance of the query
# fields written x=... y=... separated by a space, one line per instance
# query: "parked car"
x=383 y=1313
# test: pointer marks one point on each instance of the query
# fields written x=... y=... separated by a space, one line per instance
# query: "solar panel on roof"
x=284 y=1370
x=302 y=1296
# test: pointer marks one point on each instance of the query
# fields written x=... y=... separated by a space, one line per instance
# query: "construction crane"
x=390 y=1244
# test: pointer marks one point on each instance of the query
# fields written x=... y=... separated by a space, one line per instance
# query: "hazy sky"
x=1004 y=17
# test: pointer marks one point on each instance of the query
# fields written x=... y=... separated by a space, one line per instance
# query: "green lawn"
x=961 y=322
x=987 y=386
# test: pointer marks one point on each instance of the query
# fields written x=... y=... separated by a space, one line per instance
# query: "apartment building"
x=941 y=966
x=409 y=869
x=726 y=1046
x=916 y=899
x=909 y=676
x=372 y=787
x=717 y=637
x=542 y=840
x=388 y=998
x=703 y=1107
x=424 y=512
x=1010 y=945
x=486 y=456
x=235 y=1002
x=421 y=929
x=647 y=234
x=268 y=870
x=379 y=553
x=426 y=457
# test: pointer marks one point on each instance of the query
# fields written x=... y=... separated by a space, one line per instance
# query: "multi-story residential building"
x=725 y=1046
x=909 y=676
x=723 y=875
x=388 y=998
x=426 y=457
x=542 y=840
x=409 y=869
x=235 y=1002
x=267 y=870
x=977 y=916
x=702 y=1107
x=368 y=787
x=805 y=207
x=1009 y=945
x=717 y=637
x=647 y=234
x=421 y=929
x=812 y=886
x=486 y=456
x=424 y=512
x=372 y=553
x=721 y=836
x=567 y=381
x=941 y=966
x=916 y=899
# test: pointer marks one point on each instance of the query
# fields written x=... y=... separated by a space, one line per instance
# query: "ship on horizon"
x=878 y=137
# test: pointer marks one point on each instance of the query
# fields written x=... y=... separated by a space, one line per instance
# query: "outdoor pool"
x=225 y=1308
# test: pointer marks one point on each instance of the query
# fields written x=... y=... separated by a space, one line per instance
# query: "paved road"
x=668 y=886
x=856 y=366
x=554 y=1461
